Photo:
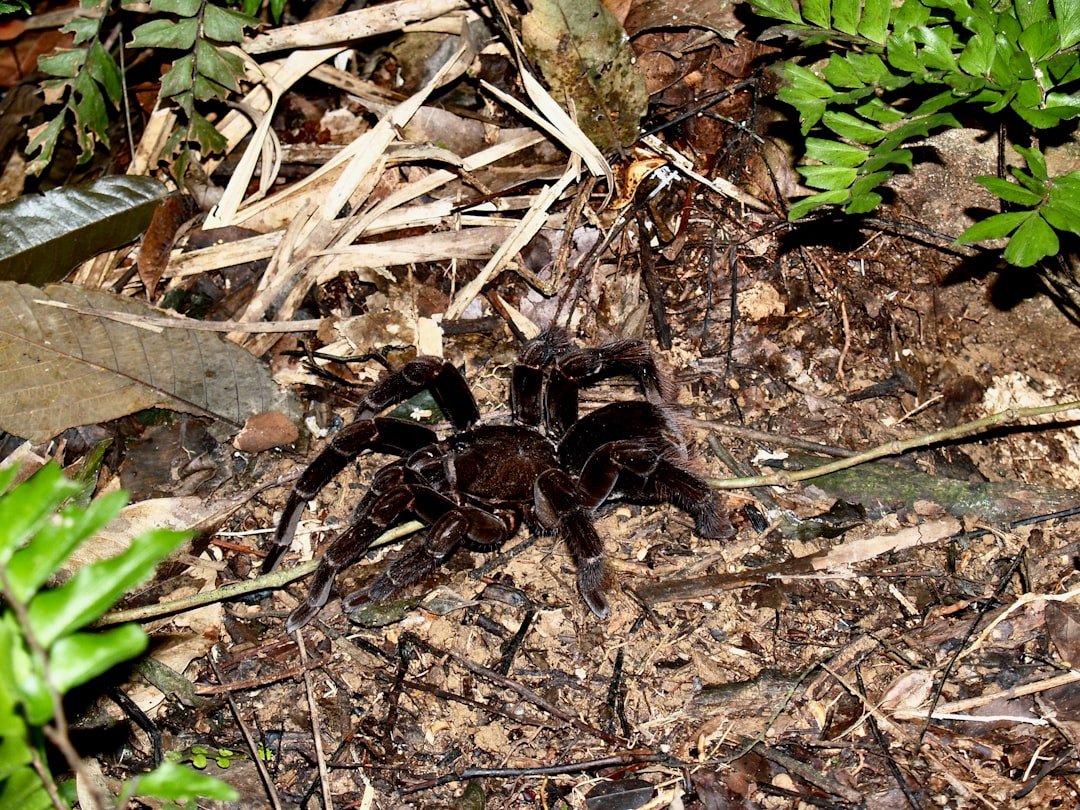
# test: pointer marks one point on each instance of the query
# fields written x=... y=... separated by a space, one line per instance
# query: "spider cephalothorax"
x=550 y=469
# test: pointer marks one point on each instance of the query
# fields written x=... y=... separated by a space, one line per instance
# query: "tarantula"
x=550 y=469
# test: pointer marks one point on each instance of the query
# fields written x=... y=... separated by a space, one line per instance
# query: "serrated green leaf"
x=206 y=89
x=213 y=66
x=805 y=81
x=96 y=587
x=839 y=72
x=225 y=24
x=31 y=567
x=91 y=117
x=1067 y=13
x=817 y=12
x=1064 y=215
x=210 y=140
x=179 y=34
x=1032 y=242
x=867 y=182
x=84 y=28
x=178 y=79
x=854 y=129
x=65 y=63
x=80 y=657
x=1010 y=192
x=863 y=203
x=804 y=206
x=835 y=153
x=997 y=226
x=105 y=72
x=44 y=142
x=845 y=14
x=828 y=178
x=181 y=8
x=1036 y=162
x=874 y=23
x=25 y=509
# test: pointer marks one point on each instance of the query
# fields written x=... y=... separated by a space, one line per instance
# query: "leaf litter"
x=810 y=680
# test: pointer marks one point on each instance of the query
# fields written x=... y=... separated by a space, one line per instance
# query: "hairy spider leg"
x=452 y=526
x=640 y=438
x=551 y=370
x=376 y=510
x=441 y=377
x=396 y=436
x=558 y=508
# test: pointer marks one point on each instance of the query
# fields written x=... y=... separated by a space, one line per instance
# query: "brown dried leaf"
x=1063 y=625
x=60 y=368
x=586 y=58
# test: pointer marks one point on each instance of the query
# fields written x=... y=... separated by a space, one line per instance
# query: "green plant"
x=88 y=82
x=896 y=73
x=47 y=651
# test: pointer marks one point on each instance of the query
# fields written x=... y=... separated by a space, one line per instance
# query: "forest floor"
x=895 y=635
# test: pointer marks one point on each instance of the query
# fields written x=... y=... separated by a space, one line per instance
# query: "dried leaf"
x=60 y=368
x=585 y=57
x=1063 y=625
x=169 y=215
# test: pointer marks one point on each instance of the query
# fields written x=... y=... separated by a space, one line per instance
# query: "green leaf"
x=807 y=204
x=854 y=129
x=44 y=143
x=215 y=67
x=818 y=12
x=846 y=16
x=1032 y=242
x=90 y=114
x=863 y=203
x=828 y=178
x=1039 y=40
x=30 y=567
x=1067 y=13
x=105 y=72
x=1010 y=192
x=778 y=9
x=210 y=140
x=42 y=237
x=178 y=79
x=1032 y=12
x=997 y=226
x=80 y=657
x=874 y=24
x=225 y=24
x=96 y=587
x=24 y=510
x=176 y=783
x=166 y=34
x=181 y=8
x=65 y=63
x=84 y=28
x=25 y=791
x=835 y=153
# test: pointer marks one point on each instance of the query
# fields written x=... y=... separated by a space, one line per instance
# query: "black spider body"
x=550 y=469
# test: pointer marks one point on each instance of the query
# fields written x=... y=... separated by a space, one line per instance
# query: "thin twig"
x=893 y=448
x=253 y=749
